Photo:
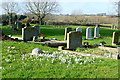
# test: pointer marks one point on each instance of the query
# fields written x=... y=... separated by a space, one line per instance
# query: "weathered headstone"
x=28 y=33
x=18 y=24
x=74 y=39
x=89 y=33
x=96 y=32
x=38 y=29
x=67 y=30
x=115 y=38
x=118 y=48
x=112 y=26
x=34 y=38
x=79 y=29
x=36 y=51
x=97 y=25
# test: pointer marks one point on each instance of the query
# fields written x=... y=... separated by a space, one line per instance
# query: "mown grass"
x=52 y=31
x=15 y=66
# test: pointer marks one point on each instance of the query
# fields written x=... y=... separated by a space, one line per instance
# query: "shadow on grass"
x=10 y=31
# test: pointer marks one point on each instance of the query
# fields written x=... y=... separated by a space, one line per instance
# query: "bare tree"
x=41 y=8
x=10 y=8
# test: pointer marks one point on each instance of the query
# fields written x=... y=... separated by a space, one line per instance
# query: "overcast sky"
x=86 y=6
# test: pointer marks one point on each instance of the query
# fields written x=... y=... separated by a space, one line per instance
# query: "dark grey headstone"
x=74 y=39
x=67 y=30
x=28 y=33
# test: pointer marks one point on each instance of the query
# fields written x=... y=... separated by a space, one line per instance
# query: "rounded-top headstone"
x=36 y=51
x=36 y=26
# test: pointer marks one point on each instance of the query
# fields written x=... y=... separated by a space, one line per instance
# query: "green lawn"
x=51 y=31
x=17 y=63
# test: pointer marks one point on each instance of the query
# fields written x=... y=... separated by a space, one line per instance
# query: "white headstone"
x=89 y=33
x=96 y=32
x=79 y=29
x=36 y=51
x=114 y=27
x=38 y=29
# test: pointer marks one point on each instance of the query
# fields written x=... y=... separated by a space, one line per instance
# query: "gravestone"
x=38 y=29
x=115 y=39
x=118 y=52
x=36 y=51
x=89 y=33
x=74 y=39
x=79 y=29
x=97 y=25
x=18 y=24
x=112 y=26
x=96 y=32
x=67 y=30
x=28 y=33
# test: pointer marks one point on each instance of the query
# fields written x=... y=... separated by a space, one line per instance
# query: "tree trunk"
x=9 y=19
x=40 y=20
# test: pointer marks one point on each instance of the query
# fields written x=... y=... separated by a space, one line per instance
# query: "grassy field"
x=17 y=63
x=58 y=32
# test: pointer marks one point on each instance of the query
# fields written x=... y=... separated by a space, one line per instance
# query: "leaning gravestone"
x=115 y=39
x=89 y=33
x=38 y=29
x=28 y=33
x=74 y=39
x=96 y=32
x=67 y=30
x=79 y=29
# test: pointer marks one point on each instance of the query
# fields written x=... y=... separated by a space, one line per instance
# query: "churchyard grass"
x=17 y=63
x=51 y=31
